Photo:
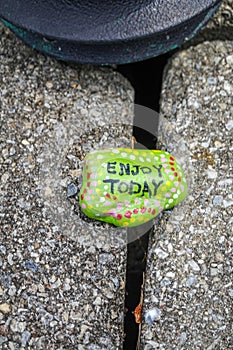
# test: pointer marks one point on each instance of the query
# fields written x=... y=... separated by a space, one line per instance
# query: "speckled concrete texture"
x=62 y=276
x=220 y=27
x=188 y=288
x=61 y=285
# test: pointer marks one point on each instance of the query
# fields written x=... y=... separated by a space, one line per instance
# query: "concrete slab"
x=62 y=276
x=220 y=27
x=188 y=287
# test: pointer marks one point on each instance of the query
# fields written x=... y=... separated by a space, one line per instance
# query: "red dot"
x=179 y=179
x=86 y=166
x=143 y=209
x=171 y=163
x=119 y=217
x=171 y=158
x=88 y=175
x=88 y=184
x=128 y=214
x=173 y=169
x=135 y=211
x=82 y=196
x=108 y=195
x=153 y=212
x=175 y=174
x=85 y=190
x=115 y=198
x=149 y=210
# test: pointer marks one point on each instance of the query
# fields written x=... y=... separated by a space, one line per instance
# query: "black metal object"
x=106 y=32
x=146 y=78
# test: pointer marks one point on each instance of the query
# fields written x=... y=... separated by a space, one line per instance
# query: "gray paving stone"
x=220 y=27
x=62 y=276
x=189 y=271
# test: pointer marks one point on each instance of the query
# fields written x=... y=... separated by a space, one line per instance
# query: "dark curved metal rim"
x=116 y=52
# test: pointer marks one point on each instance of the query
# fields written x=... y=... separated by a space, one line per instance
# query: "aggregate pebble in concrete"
x=190 y=259
x=62 y=276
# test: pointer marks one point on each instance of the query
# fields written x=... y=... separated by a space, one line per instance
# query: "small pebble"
x=165 y=282
x=49 y=84
x=212 y=174
x=31 y=266
x=194 y=265
x=183 y=338
x=27 y=109
x=25 y=142
x=191 y=281
x=5 y=308
x=26 y=335
x=229 y=125
x=72 y=190
x=97 y=301
x=217 y=200
x=105 y=258
x=10 y=259
x=152 y=315
x=213 y=271
x=229 y=59
x=212 y=80
x=56 y=284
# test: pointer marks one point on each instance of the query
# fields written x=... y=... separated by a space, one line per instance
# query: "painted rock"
x=128 y=187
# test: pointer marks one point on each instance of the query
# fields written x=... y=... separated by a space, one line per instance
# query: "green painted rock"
x=128 y=187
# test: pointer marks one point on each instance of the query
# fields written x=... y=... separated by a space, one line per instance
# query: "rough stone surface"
x=219 y=27
x=60 y=290
x=189 y=269
x=61 y=277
